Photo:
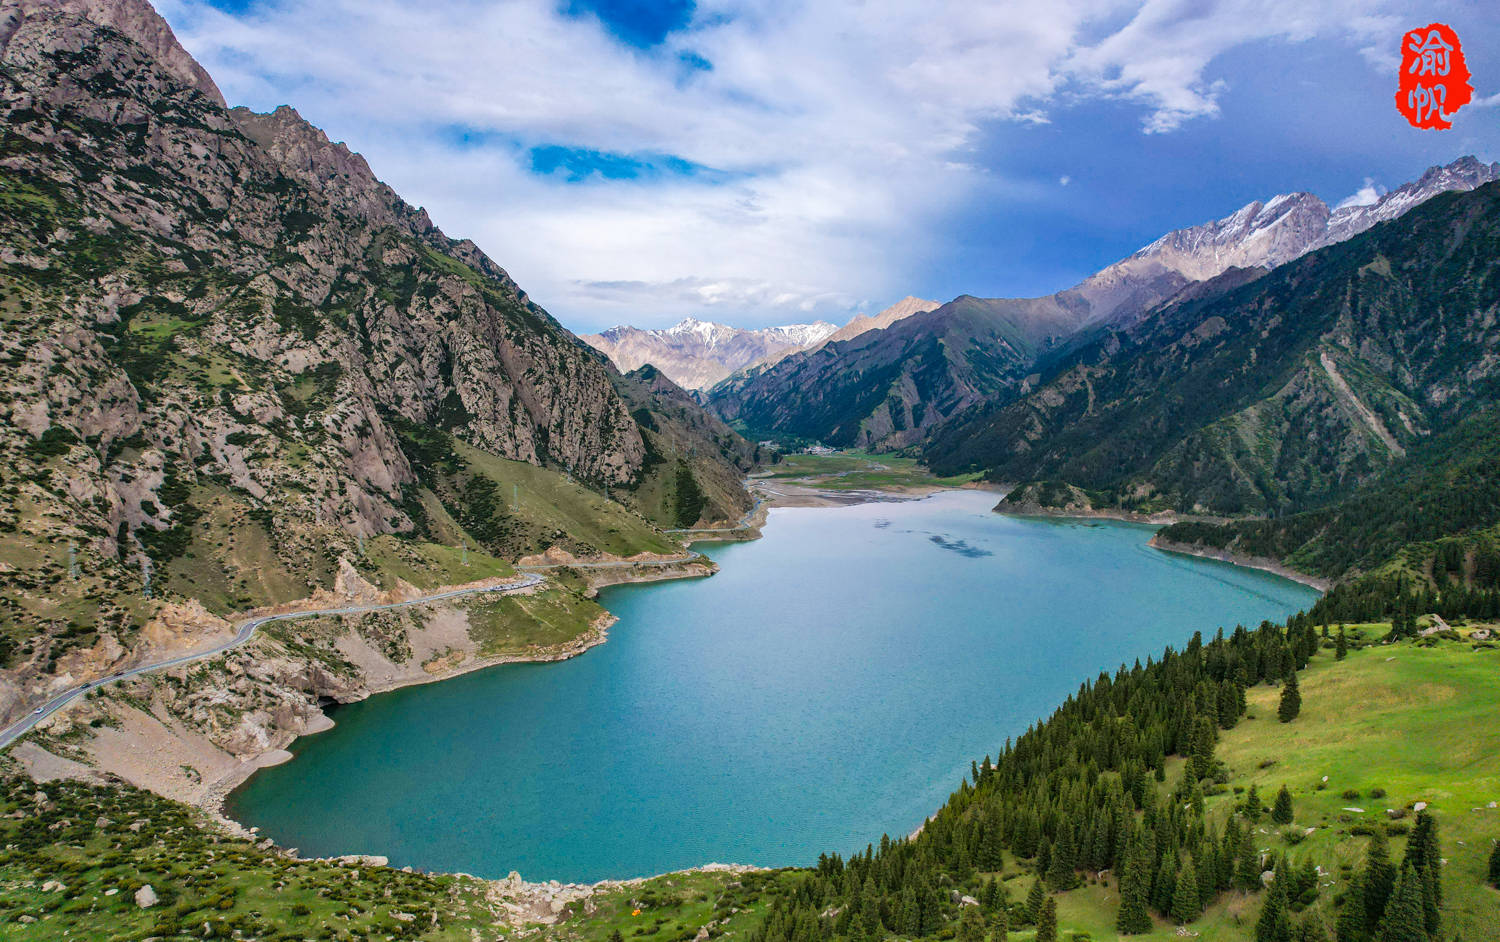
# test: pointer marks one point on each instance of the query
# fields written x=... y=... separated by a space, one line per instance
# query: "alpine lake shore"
x=1347 y=775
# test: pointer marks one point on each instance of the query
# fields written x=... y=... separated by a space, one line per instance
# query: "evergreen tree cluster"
x=1075 y=796
x=1387 y=903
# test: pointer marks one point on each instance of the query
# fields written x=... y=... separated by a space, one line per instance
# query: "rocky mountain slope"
x=697 y=354
x=862 y=323
x=1276 y=397
x=892 y=388
x=234 y=358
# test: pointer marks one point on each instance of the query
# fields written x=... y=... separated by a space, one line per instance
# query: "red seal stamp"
x=1434 y=80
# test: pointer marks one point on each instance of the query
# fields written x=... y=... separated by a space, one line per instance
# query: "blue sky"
x=770 y=161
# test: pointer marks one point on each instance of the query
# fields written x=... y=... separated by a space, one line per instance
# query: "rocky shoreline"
x=1164 y=518
x=164 y=732
x=1263 y=563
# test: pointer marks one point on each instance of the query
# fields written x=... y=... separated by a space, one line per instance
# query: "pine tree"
x=1000 y=921
x=1164 y=884
x=1380 y=879
x=1185 y=904
x=971 y=925
x=1134 y=917
x=1425 y=852
x=1062 y=872
x=1274 y=924
x=1247 y=863
x=1252 y=804
x=1351 y=926
x=1432 y=909
x=1495 y=866
x=616 y=937
x=911 y=911
x=1341 y=645
x=1311 y=928
x=1035 y=900
x=1046 y=922
x=1403 y=920
x=1291 y=699
x=1281 y=813
x=870 y=909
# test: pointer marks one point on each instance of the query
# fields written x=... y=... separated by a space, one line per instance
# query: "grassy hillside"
x=76 y=855
x=511 y=508
x=1146 y=776
x=1389 y=727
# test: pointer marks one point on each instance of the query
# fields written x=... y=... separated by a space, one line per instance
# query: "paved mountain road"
x=245 y=632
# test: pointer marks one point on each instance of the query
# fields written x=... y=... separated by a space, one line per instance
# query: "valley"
x=347 y=593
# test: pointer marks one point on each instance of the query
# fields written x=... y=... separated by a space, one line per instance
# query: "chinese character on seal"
x=1434 y=80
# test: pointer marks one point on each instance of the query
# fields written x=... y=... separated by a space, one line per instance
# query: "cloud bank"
x=765 y=162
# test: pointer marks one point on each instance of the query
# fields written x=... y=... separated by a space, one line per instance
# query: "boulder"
x=146 y=897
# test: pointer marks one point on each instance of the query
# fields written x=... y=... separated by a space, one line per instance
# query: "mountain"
x=891 y=388
x=1276 y=397
x=233 y=356
x=697 y=354
x=886 y=388
x=861 y=323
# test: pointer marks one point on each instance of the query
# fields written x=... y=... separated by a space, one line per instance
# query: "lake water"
x=830 y=684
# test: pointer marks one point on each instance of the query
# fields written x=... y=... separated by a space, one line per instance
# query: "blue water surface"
x=830 y=684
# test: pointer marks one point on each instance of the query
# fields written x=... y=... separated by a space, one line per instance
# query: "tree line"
x=1083 y=796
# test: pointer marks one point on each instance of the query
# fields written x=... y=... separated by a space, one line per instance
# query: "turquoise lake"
x=830 y=684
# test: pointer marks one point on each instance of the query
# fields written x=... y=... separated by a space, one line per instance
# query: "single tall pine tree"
x=1311 y=928
x=1046 y=922
x=1380 y=878
x=1351 y=924
x=1495 y=866
x=1274 y=924
x=971 y=925
x=1403 y=920
x=1062 y=871
x=1000 y=921
x=1341 y=645
x=1185 y=905
x=1134 y=917
x=1282 y=812
x=1034 y=901
x=1291 y=699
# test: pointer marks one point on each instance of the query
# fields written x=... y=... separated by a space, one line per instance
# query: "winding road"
x=246 y=629
x=744 y=523
x=245 y=632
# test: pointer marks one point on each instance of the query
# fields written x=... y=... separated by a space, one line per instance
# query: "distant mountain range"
x=698 y=354
x=892 y=387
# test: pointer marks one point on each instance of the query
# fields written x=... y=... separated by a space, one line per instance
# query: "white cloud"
x=843 y=126
x=1064 y=180
x=1367 y=195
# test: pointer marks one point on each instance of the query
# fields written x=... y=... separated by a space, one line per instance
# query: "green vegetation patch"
x=524 y=624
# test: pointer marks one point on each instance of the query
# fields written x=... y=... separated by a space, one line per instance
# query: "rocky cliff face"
x=219 y=332
x=891 y=388
x=697 y=354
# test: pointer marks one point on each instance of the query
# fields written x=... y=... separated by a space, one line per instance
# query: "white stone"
x=146 y=897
